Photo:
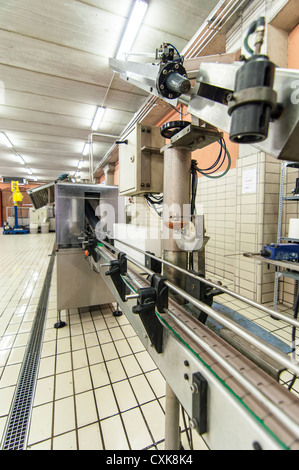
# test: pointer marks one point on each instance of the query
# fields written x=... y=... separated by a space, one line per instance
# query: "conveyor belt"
x=272 y=393
x=287 y=401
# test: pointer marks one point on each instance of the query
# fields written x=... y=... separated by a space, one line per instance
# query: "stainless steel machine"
x=84 y=213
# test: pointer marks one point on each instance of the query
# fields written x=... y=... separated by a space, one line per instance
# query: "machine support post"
x=172 y=419
x=176 y=201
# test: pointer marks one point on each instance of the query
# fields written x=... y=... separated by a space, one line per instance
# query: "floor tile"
x=124 y=395
x=113 y=434
x=67 y=441
x=41 y=423
x=133 y=420
x=64 y=416
x=89 y=437
x=82 y=380
x=86 y=411
x=99 y=375
x=106 y=403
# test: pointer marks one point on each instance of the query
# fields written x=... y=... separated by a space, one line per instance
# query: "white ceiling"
x=54 y=70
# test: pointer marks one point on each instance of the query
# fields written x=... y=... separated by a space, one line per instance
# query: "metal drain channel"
x=15 y=435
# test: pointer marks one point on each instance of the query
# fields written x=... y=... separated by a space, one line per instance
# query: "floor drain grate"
x=15 y=434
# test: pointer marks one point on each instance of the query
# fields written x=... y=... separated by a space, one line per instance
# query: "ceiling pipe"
x=90 y=142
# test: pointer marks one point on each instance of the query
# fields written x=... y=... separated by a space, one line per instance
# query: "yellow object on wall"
x=17 y=195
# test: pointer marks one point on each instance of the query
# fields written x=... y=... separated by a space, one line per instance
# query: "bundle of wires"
x=154 y=201
x=219 y=162
x=252 y=28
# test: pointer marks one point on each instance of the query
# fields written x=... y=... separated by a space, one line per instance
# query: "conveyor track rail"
x=272 y=405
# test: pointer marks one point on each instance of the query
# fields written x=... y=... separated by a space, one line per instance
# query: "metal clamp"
x=118 y=268
x=152 y=264
x=199 y=389
x=252 y=95
x=148 y=299
x=158 y=284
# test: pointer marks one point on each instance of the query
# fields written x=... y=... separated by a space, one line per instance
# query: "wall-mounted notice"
x=249 y=181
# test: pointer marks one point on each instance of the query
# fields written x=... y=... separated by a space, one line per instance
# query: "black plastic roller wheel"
x=171 y=128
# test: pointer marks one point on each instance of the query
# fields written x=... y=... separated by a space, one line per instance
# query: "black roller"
x=171 y=128
x=254 y=103
x=172 y=80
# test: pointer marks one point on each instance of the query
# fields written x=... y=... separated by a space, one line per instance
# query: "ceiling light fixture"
x=28 y=171
x=98 y=117
x=80 y=164
x=20 y=159
x=5 y=140
x=132 y=27
x=85 y=149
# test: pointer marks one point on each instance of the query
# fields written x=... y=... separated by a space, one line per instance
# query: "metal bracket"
x=258 y=94
x=199 y=389
x=158 y=283
x=118 y=268
x=152 y=264
x=146 y=309
x=202 y=292
x=148 y=299
x=91 y=248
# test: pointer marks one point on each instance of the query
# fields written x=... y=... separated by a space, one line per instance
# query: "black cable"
x=212 y=169
x=153 y=204
x=193 y=185
x=208 y=172
x=182 y=114
x=217 y=160
x=157 y=199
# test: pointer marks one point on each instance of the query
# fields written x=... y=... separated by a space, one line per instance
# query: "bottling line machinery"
x=228 y=384
x=233 y=400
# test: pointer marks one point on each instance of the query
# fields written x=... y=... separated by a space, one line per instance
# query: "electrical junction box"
x=140 y=161
x=281 y=252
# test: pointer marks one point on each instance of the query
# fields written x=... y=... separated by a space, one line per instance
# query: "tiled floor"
x=97 y=388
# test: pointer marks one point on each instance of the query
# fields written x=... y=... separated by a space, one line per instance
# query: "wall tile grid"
x=216 y=200
x=241 y=219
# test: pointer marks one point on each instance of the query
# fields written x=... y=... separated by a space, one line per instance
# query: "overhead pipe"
x=90 y=141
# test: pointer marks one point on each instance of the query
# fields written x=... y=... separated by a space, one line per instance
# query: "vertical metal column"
x=176 y=204
x=172 y=418
x=281 y=194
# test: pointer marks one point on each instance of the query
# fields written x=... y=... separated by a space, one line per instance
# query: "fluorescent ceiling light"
x=85 y=149
x=28 y=171
x=80 y=164
x=5 y=140
x=20 y=159
x=97 y=118
x=132 y=27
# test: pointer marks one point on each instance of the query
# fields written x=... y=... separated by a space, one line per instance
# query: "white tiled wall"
x=238 y=222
